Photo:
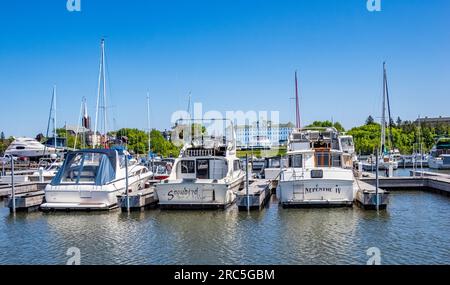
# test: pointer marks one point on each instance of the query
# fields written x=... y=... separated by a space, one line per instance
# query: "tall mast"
x=383 y=113
x=54 y=116
x=105 y=126
x=391 y=139
x=101 y=98
x=297 y=108
x=51 y=118
x=148 y=121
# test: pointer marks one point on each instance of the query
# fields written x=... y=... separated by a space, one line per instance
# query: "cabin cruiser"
x=440 y=154
x=319 y=172
x=91 y=179
x=28 y=147
x=206 y=175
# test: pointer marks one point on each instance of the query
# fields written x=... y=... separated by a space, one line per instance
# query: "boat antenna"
x=297 y=108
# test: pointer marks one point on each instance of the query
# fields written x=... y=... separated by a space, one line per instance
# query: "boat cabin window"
x=187 y=166
x=296 y=161
x=236 y=165
x=202 y=168
x=327 y=159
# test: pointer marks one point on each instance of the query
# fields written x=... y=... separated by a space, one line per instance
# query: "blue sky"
x=232 y=55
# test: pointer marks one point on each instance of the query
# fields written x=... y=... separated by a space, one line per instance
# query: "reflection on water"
x=414 y=230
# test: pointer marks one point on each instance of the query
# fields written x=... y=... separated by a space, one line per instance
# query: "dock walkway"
x=259 y=192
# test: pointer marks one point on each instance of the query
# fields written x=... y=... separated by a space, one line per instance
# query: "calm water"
x=414 y=230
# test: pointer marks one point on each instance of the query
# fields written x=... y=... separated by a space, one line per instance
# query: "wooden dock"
x=26 y=202
x=259 y=192
x=437 y=184
x=139 y=200
x=22 y=188
x=366 y=196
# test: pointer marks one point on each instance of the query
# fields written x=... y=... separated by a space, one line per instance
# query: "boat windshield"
x=85 y=168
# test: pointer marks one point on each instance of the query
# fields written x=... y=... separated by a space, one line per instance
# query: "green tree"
x=370 y=120
x=327 y=124
x=138 y=142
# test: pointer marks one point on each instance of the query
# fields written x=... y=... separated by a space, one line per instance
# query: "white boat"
x=28 y=147
x=319 y=172
x=92 y=179
x=440 y=154
x=44 y=173
x=206 y=175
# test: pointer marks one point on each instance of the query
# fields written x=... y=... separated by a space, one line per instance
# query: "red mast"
x=297 y=108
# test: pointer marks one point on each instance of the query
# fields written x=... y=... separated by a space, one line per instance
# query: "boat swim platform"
x=259 y=193
x=309 y=204
x=195 y=206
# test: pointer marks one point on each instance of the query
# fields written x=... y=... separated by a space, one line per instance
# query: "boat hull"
x=439 y=164
x=180 y=194
x=307 y=193
x=82 y=197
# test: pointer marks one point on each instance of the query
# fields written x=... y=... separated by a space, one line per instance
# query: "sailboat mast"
x=148 y=121
x=105 y=125
x=97 y=106
x=383 y=113
x=54 y=116
x=391 y=139
x=101 y=98
x=297 y=108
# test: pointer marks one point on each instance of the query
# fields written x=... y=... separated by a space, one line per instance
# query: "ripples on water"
x=414 y=230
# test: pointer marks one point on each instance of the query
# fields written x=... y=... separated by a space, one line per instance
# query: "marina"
x=153 y=133
x=414 y=220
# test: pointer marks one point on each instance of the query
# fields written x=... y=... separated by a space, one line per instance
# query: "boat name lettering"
x=322 y=189
x=184 y=193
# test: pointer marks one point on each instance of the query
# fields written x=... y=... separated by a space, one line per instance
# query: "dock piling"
x=247 y=183
x=377 y=181
x=126 y=183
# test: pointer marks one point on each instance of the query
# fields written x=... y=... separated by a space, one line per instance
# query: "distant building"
x=73 y=130
x=432 y=122
x=261 y=134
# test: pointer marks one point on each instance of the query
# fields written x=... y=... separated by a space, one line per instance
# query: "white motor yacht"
x=319 y=172
x=28 y=147
x=440 y=154
x=92 y=179
x=207 y=174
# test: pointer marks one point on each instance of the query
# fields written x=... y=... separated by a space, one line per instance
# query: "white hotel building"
x=263 y=134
